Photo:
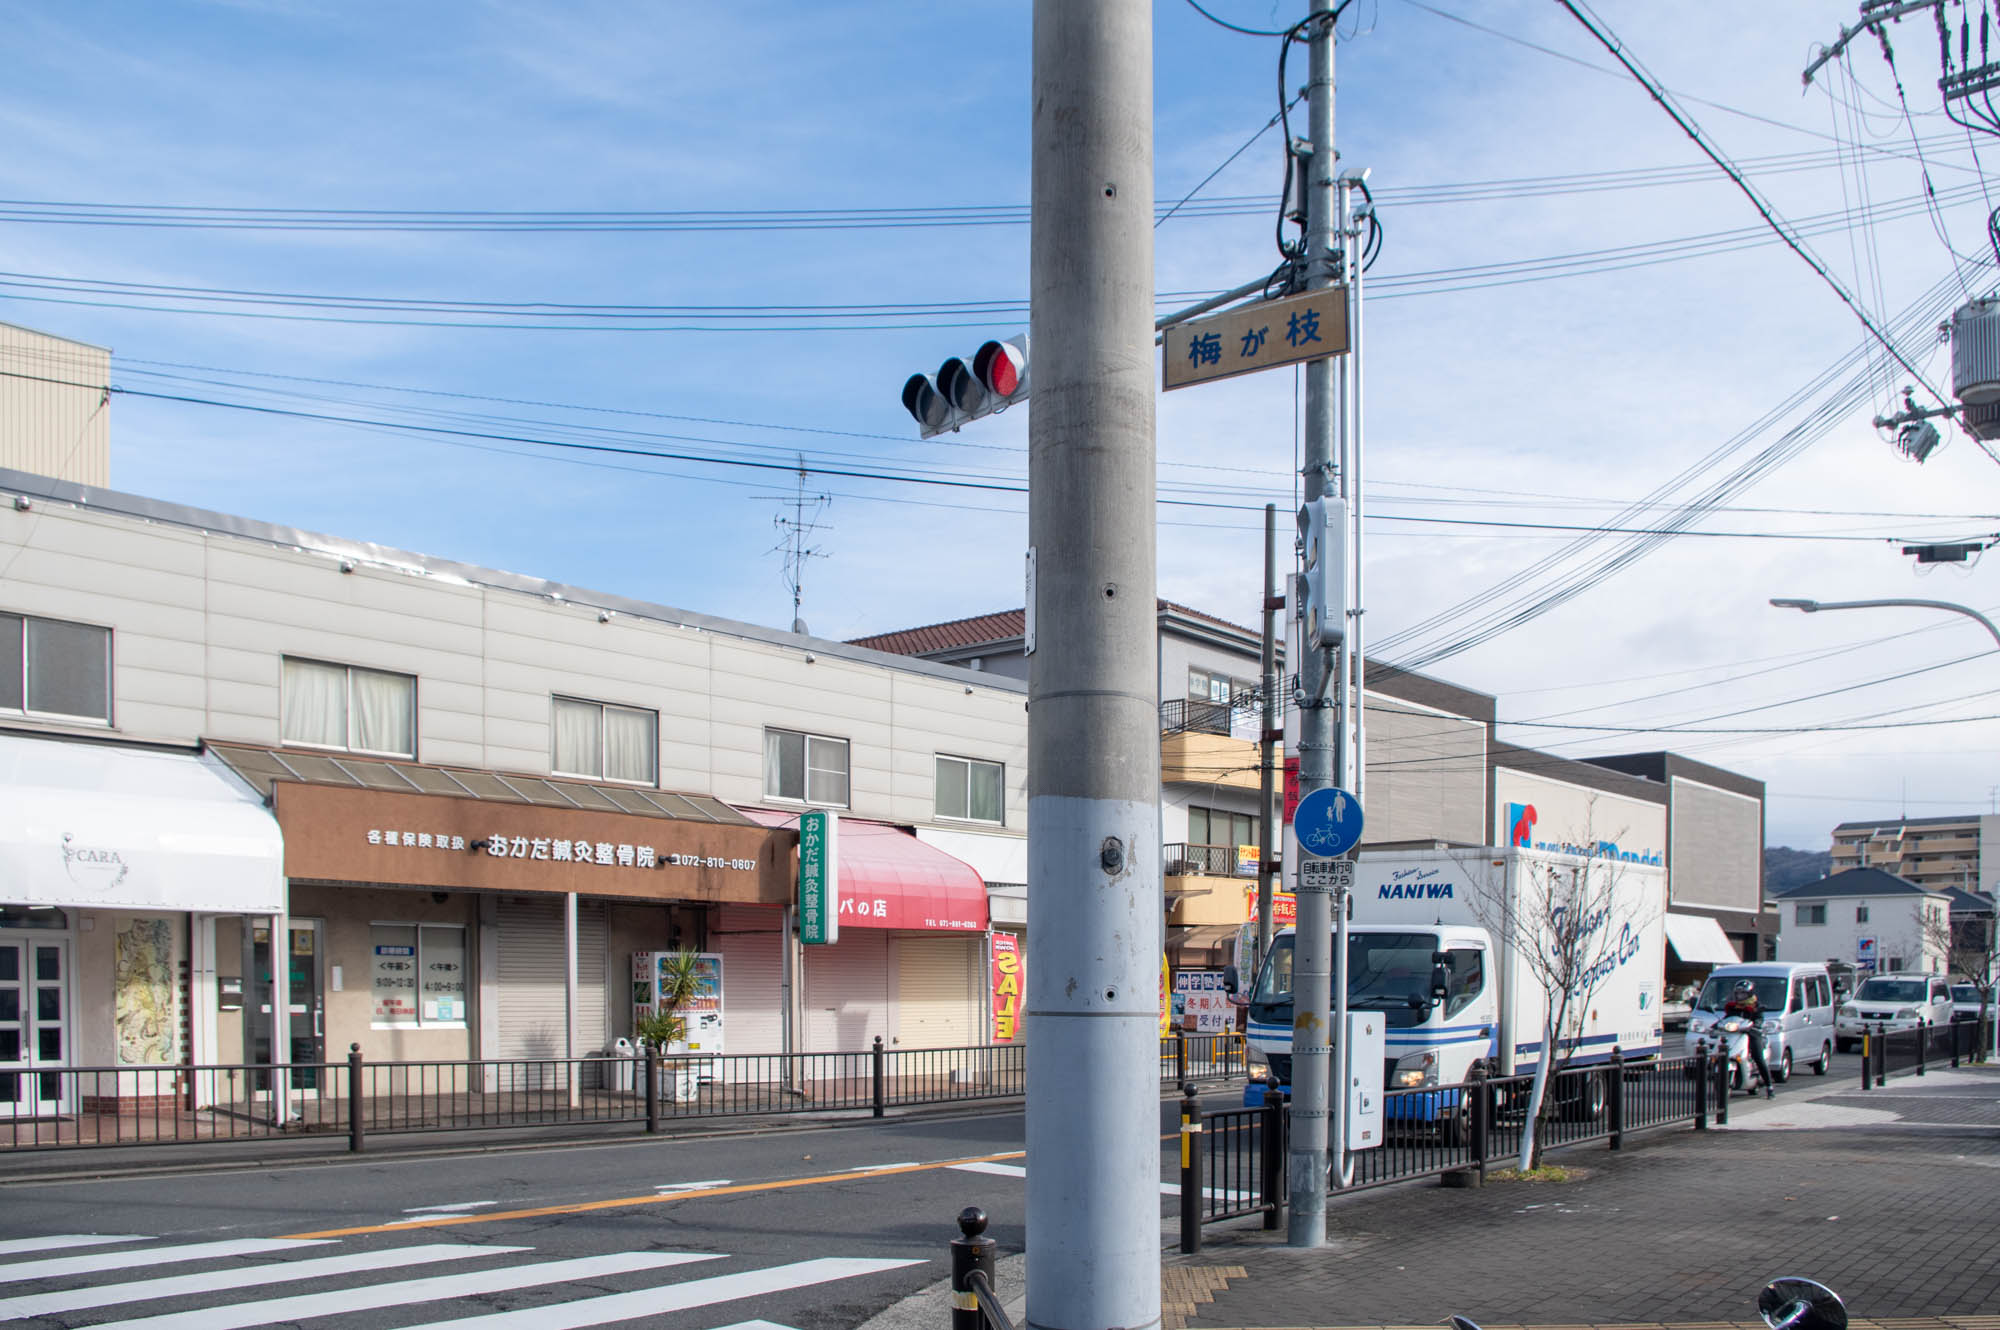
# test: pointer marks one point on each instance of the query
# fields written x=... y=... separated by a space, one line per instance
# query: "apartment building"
x=1933 y=852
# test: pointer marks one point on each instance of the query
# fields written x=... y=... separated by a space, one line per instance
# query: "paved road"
x=813 y=1229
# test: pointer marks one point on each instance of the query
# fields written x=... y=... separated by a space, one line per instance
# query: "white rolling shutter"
x=847 y=992
x=747 y=936
x=936 y=1003
x=531 y=978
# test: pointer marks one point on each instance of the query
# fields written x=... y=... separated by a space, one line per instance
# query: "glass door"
x=304 y=957
x=34 y=1025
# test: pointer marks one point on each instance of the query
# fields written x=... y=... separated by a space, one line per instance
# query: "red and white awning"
x=890 y=879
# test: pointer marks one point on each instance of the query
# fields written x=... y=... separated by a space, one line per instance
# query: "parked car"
x=1797 y=1003
x=1965 y=1003
x=1892 y=1002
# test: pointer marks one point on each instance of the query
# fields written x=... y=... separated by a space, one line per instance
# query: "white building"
x=1873 y=920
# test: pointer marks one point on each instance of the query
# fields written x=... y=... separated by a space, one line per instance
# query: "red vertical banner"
x=1006 y=975
x=1291 y=789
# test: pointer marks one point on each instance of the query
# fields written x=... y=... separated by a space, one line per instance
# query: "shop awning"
x=1199 y=937
x=1699 y=940
x=104 y=826
x=890 y=879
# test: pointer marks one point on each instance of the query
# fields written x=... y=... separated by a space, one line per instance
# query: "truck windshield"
x=1387 y=972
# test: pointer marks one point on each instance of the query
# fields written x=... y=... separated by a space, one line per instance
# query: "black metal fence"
x=94 y=1106
x=1183 y=715
x=1182 y=858
x=1886 y=1053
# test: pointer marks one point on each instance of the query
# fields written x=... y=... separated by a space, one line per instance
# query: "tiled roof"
x=981 y=629
x=1856 y=882
x=977 y=631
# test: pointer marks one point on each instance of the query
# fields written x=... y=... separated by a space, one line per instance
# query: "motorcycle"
x=1788 y=1303
x=1732 y=1036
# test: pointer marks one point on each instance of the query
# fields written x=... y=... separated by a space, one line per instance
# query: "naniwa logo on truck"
x=1438 y=943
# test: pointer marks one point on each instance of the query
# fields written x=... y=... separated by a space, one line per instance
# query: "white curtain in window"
x=382 y=707
x=315 y=704
x=784 y=765
x=826 y=771
x=578 y=726
x=988 y=791
x=628 y=744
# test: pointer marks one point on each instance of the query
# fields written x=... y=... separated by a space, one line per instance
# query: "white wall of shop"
x=201 y=622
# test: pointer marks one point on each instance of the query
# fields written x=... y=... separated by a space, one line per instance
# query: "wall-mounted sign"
x=558 y=850
x=820 y=906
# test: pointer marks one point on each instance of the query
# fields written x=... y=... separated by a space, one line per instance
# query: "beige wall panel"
x=238 y=728
x=243 y=664
x=230 y=697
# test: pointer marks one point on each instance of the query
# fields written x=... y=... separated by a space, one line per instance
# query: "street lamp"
x=1815 y=606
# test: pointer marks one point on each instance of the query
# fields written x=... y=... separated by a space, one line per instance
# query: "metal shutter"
x=747 y=937
x=847 y=992
x=934 y=991
x=531 y=978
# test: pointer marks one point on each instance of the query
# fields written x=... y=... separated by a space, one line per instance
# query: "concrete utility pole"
x=1312 y=967
x=1270 y=732
x=1093 y=700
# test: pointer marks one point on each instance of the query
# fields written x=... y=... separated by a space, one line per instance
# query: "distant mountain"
x=1785 y=868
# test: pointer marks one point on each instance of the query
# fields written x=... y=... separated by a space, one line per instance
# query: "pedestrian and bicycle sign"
x=1328 y=823
x=1263 y=335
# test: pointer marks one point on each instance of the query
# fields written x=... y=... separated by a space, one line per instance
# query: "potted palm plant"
x=665 y=1031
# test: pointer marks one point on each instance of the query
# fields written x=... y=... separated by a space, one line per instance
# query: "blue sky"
x=1541 y=401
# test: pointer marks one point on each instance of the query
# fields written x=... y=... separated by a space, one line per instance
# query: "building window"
x=50 y=667
x=971 y=790
x=418 y=976
x=600 y=741
x=805 y=768
x=1208 y=686
x=351 y=708
x=1861 y=914
x=1809 y=914
x=1219 y=826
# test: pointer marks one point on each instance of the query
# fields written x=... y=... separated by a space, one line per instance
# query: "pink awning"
x=890 y=879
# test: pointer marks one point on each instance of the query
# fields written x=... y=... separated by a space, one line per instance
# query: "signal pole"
x=1093 y=707
x=1312 y=958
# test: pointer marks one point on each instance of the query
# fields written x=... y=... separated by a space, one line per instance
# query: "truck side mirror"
x=1229 y=983
x=1440 y=983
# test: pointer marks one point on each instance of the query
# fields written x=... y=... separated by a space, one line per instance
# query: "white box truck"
x=1428 y=947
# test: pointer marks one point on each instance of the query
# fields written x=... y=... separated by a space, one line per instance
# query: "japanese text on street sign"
x=1326 y=874
x=1253 y=337
x=819 y=878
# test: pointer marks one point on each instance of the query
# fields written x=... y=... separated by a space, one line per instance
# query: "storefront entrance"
x=34 y=1023
x=305 y=952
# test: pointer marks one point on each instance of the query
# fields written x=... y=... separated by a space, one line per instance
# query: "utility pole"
x=1312 y=977
x=1093 y=701
x=1269 y=735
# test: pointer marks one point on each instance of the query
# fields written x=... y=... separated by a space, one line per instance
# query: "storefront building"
x=116 y=861
x=442 y=913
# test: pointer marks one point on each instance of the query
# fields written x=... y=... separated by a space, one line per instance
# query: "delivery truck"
x=1428 y=946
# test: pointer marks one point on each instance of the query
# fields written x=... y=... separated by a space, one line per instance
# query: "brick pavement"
x=1899 y=1212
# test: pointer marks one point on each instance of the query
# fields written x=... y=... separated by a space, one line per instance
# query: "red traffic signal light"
x=961 y=391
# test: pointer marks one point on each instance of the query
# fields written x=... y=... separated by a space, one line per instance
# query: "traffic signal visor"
x=962 y=391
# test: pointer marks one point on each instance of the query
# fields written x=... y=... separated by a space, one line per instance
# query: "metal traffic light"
x=1322 y=583
x=994 y=379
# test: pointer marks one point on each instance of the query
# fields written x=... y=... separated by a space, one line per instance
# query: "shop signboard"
x=1201 y=1002
x=819 y=878
x=1007 y=974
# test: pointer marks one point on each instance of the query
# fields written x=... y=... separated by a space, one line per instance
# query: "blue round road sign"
x=1328 y=823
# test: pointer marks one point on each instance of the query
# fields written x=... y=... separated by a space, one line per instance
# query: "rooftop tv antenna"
x=795 y=534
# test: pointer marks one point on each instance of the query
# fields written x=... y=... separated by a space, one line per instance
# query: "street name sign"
x=1270 y=333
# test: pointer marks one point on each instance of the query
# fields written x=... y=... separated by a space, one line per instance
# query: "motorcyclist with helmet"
x=1743 y=1002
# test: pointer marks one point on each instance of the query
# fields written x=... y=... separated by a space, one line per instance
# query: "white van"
x=1797 y=1003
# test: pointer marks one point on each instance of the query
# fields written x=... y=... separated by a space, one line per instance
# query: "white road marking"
x=57 y=1241
x=59 y=1266
x=754 y=1325
x=876 y=1168
x=671 y=1298
x=146 y=1290
x=375 y=1296
x=666 y=1187
x=997 y=1170
x=456 y=1207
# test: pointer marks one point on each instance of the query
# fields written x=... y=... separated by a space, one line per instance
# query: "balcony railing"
x=1182 y=859
x=1186 y=715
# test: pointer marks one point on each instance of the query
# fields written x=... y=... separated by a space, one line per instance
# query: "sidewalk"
x=1889 y=1197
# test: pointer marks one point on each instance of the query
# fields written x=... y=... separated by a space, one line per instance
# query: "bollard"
x=881 y=1072
x=1482 y=1116
x=652 y=1087
x=1923 y=1043
x=1881 y=1056
x=355 y=1138
x=1954 y=1042
x=1721 y=1087
x=971 y=1251
x=1867 y=1056
x=1190 y=1170
x=1180 y=1056
x=1271 y=1162
x=1701 y=1085
x=1615 y=1099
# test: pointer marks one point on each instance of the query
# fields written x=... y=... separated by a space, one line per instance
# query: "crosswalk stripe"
x=612 y=1307
x=754 y=1325
x=214 y=1281
x=56 y=1267
x=1166 y=1188
x=58 y=1241
x=375 y=1296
